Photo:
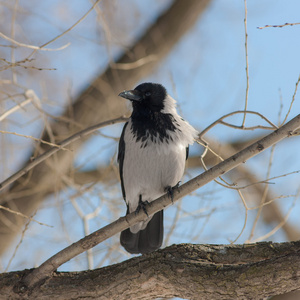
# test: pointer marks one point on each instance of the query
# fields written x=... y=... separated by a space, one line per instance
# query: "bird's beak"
x=131 y=95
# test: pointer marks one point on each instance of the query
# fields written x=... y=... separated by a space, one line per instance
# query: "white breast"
x=149 y=170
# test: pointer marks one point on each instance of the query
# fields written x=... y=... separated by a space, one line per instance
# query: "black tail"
x=146 y=240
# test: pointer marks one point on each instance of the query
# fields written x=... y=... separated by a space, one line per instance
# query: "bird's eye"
x=147 y=94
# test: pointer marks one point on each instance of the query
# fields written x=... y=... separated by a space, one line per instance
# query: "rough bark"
x=97 y=103
x=252 y=271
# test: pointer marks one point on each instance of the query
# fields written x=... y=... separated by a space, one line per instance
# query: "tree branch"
x=271 y=213
x=46 y=269
x=253 y=271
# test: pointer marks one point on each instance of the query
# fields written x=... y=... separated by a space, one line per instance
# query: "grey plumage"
x=152 y=151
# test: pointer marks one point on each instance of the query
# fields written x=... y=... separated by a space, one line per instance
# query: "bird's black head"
x=146 y=96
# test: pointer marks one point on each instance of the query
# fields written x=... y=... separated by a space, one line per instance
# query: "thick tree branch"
x=253 y=271
x=46 y=269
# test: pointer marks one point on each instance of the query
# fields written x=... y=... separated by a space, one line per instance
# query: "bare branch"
x=263 y=197
x=247 y=64
x=18 y=245
x=278 y=26
x=15 y=108
x=278 y=226
x=54 y=149
x=22 y=215
x=74 y=25
x=31 y=46
x=293 y=100
x=34 y=139
x=220 y=120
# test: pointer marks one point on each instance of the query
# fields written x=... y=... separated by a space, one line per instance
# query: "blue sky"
x=205 y=72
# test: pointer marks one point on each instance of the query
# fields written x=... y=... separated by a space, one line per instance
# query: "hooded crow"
x=153 y=148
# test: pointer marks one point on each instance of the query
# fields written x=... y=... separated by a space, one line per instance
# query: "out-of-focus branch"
x=61 y=145
x=103 y=174
x=96 y=104
x=271 y=213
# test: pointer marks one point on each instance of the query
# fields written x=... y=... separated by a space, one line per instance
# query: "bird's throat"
x=155 y=126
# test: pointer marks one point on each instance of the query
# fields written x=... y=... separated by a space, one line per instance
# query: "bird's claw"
x=170 y=190
x=142 y=205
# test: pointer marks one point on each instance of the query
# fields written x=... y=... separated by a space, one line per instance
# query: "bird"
x=153 y=149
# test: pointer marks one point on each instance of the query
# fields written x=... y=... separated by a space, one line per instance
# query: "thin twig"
x=35 y=139
x=278 y=226
x=173 y=225
x=207 y=148
x=247 y=65
x=246 y=217
x=31 y=46
x=227 y=185
x=20 y=63
x=293 y=100
x=278 y=26
x=203 y=132
x=267 y=180
x=246 y=128
x=272 y=200
x=12 y=50
x=14 y=108
x=66 y=31
x=264 y=196
x=18 y=245
x=22 y=215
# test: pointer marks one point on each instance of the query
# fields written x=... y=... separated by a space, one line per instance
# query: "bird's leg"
x=170 y=190
x=142 y=205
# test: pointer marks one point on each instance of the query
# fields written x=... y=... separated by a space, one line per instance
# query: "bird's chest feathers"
x=155 y=129
x=153 y=160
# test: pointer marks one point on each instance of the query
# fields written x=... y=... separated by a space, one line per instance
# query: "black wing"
x=121 y=155
x=187 y=152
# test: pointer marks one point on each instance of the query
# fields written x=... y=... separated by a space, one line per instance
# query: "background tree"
x=74 y=193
